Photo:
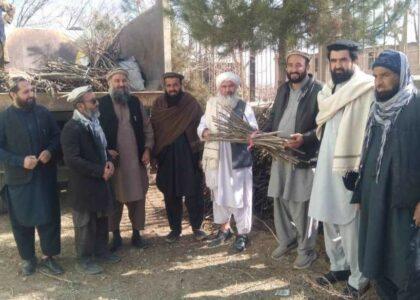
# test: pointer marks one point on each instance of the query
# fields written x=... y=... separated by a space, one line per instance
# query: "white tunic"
x=230 y=187
x=330 y=200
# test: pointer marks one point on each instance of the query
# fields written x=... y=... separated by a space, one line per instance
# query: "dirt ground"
x=187 y=269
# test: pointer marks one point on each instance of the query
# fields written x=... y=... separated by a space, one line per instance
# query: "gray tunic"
x=286 y=181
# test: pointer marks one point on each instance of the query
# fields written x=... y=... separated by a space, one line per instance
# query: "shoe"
x=137 y=240
x=87 y=266
x=29 y=267
x=353 y=293
x=280 y=251
x=220 y=238
x=305 y=261
x=52 y=266
x=109 y=258
x=116 y=241
x=333 y=277
x=241 y=242
x=172 y=237
x=200 y=235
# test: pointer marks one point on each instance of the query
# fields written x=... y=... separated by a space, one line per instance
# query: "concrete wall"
x=148 y=39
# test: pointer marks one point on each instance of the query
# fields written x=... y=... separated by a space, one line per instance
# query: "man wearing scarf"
x=388 y=189
x=130 y=140
x=29 y=146
x=343 y=105
x=175 y=117
x=228 y=166
x=90 y=169
x=293 y=114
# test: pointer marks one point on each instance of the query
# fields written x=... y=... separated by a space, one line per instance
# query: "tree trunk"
x=251 y=75
x=282 y=52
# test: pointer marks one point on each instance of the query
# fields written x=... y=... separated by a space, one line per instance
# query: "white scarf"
x=355 y=97
x=93 y=125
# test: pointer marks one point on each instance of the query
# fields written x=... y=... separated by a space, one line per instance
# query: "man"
x=389 y=186
x=343 y=111
x=130 y=139
x=29 y=145
x=294 y=112
x=175 y=117
x=84 y=148
x=228 y=167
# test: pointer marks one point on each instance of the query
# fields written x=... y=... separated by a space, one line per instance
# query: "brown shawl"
x=170 y=122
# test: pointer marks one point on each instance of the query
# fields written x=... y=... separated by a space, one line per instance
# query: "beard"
x=92 y=113
x=173 y=99
x=386 y=95
x=229 y=100
x=26 y=105
x=300 y=78
x=120 y=95
x=343 y=76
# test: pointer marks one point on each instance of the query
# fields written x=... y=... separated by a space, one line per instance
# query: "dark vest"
x=19 y=143
x=241 y=157
x=109 y=121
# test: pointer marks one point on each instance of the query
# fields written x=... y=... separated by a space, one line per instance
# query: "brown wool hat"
x=115 y=72
x=173 y=75
x=300 y=53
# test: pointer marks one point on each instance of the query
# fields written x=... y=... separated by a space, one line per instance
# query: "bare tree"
x=29 y=9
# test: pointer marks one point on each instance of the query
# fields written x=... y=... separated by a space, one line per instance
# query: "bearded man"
x=29 y=146
x=293 y=113
x=388 y=190
x=343 y=104
x=84 y=149
x=228 y=166
x=178 y=150
x=130 y=140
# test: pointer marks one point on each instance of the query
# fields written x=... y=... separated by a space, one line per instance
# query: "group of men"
x=358 y=172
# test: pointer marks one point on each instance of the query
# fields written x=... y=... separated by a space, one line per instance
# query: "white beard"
x=228 y=100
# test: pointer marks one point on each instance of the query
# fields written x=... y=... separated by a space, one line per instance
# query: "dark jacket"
x=109 y=121
x=305 y=118
x=15 y=143
x=403 y=142
x=90 y=192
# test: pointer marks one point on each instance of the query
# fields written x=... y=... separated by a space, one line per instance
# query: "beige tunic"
x=130 y=179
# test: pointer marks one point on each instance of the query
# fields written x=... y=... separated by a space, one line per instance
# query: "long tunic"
x=130 y=179
x=330 y=200
x=230 y=186
x=385 y=232
x=287 y=182
x=34 y=203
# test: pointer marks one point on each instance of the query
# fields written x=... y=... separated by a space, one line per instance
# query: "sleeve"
x=201 y=127
x=72 y=157
x=149 y=139
x=6 y=157
x=249 y=116
x=54 y=142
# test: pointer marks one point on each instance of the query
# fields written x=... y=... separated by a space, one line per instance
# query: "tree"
x=29 y=9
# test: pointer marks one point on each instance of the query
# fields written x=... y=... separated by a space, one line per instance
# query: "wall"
x=148 y=39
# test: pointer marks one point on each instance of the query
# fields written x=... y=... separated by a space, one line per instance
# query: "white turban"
x=227 y=76
x=78 y=93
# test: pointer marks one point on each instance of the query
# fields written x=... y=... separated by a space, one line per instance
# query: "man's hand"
x=114 y=154
x=145 y=159
x=30 y=162
x=416 y=216
x=108 y=171
x=45 y=156
x=206 y=134
x=296 y=141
